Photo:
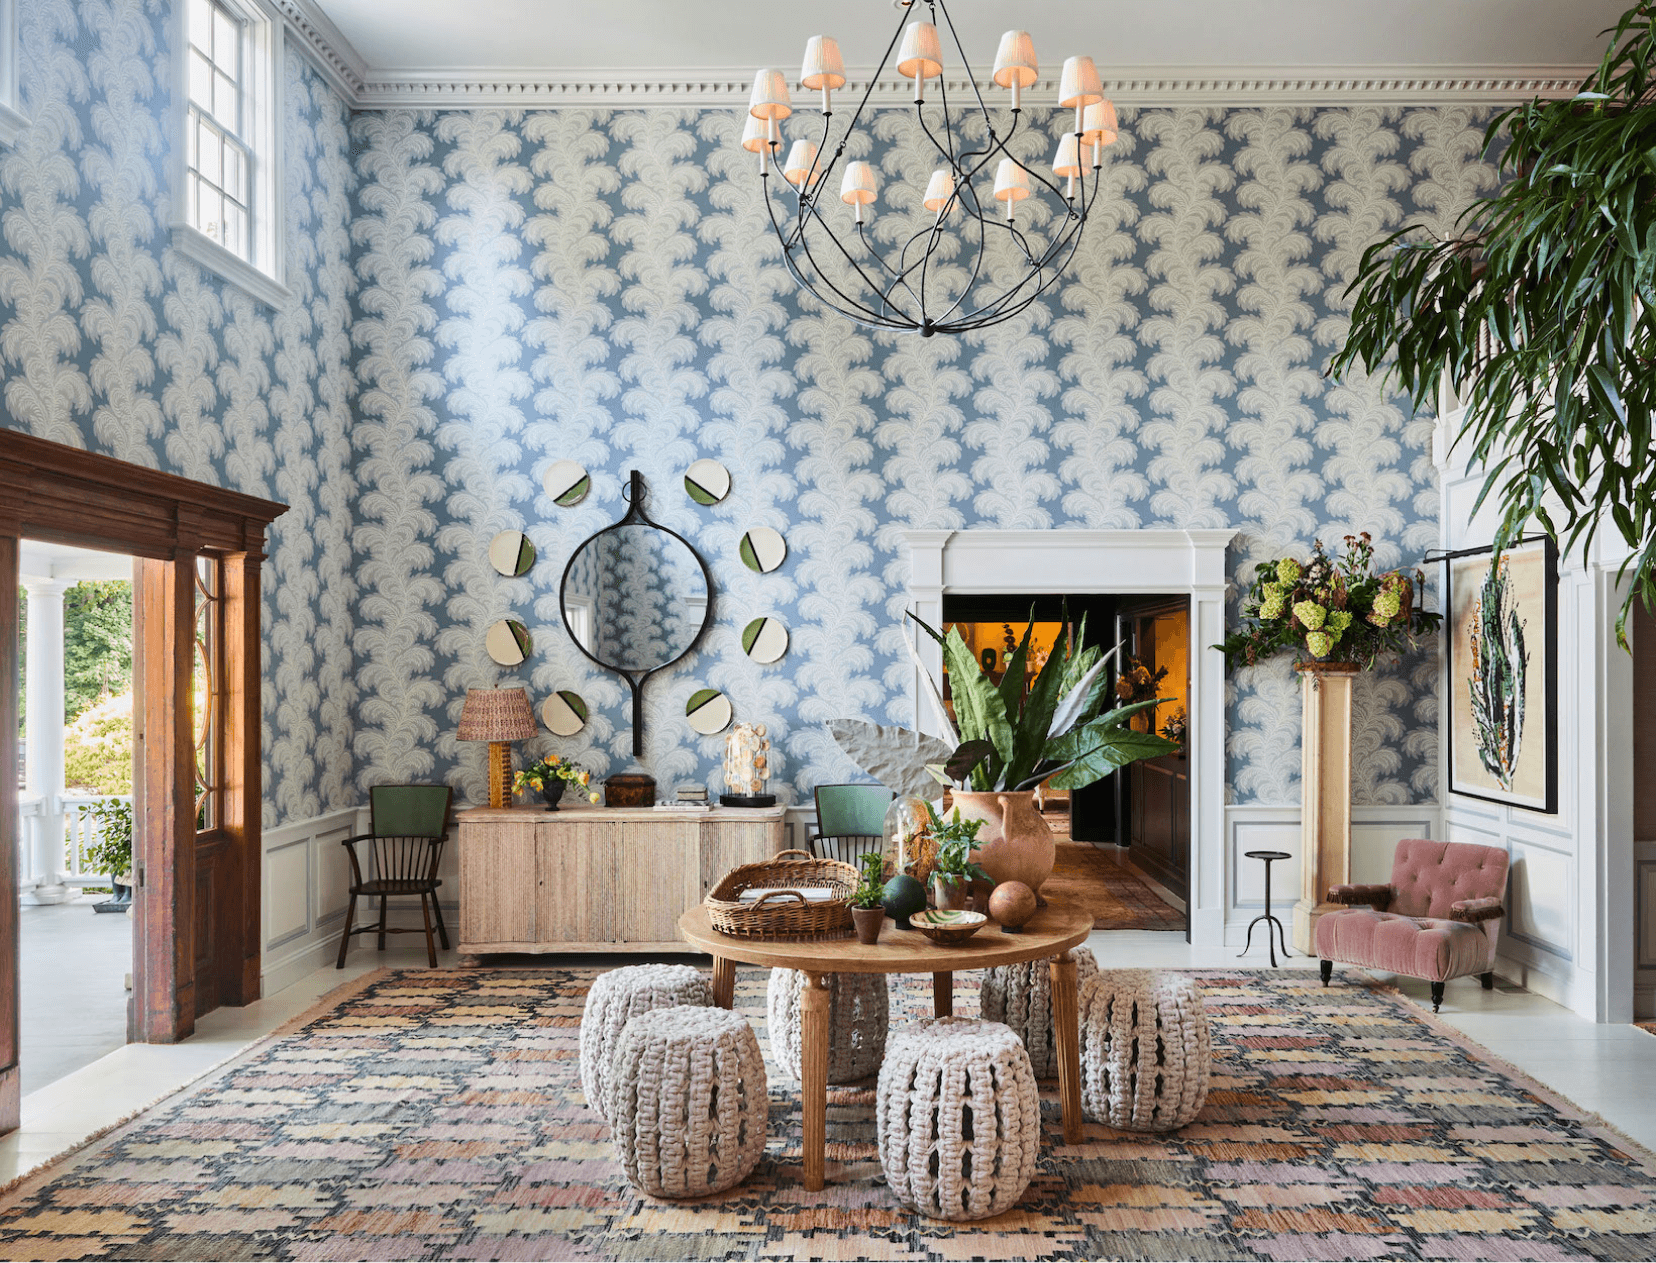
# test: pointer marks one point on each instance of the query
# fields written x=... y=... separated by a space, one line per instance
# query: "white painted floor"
x=1605 y=1069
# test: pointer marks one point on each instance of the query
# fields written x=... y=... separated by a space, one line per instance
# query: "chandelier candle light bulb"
x=921 y=57
x=940 y=192
x=858 y=189
x=802 y=165
x=1015 y=65
x=1098 y=128
x=770 y=102
x=1067 y=161
x=756 y=138
x=824 y=69
x=1011 y=185
x=1078 y=87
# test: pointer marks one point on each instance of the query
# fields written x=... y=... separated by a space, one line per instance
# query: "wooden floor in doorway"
x=1093 y=878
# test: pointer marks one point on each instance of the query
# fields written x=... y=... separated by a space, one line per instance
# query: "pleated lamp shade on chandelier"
x=500 y=717
x=991 y=232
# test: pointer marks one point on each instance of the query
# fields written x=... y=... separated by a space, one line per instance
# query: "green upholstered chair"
x=850 y=820
x=399 y=857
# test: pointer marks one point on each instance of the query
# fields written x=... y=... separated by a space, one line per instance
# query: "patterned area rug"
x=1647 y=1027
x=439 y=1115
x=1117 y=898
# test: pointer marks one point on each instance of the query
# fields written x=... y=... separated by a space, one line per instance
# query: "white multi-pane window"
x=219 y=158
x=11 y=94
x=229 y=173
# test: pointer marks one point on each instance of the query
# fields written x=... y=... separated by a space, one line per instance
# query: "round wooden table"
x=1053 y=931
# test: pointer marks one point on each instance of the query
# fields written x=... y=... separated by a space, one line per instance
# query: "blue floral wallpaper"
x=111 y=340
x=479 y=293
x=601 y=286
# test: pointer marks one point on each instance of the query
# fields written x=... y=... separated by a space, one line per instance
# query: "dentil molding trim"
x=384 y=88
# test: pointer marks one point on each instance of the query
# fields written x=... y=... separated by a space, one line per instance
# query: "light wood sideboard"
x=597 y=879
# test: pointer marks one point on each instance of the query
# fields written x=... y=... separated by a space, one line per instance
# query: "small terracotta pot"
x=949 y=893
x=868 y=922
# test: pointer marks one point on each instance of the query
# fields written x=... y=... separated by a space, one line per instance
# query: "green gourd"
x=904 y=896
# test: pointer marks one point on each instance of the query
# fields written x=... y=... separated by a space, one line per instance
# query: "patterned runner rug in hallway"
x=438 y=1115
x=1118 y=898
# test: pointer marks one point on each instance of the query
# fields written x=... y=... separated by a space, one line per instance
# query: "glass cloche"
x=908 y=842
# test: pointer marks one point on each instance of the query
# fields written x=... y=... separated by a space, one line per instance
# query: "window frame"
x=12 y=118
x=261 y=275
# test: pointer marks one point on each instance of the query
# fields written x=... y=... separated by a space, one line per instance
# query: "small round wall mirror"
x=636 y=597
x=508 y=642
x=511 y=553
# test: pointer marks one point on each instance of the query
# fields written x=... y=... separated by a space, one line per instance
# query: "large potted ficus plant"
x=1539 y=310
x=1010 y=738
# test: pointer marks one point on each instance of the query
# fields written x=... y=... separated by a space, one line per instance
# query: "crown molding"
x=374 y=88
x=314 y=34
x=1129 y=87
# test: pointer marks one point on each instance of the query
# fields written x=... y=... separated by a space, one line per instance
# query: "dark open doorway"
x=1093 y=825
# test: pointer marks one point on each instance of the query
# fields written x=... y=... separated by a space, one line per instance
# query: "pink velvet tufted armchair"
x=1439 y=919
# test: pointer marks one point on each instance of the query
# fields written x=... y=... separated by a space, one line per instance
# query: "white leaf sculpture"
x=896 y=757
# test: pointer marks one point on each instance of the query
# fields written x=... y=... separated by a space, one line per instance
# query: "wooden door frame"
x=66 y=495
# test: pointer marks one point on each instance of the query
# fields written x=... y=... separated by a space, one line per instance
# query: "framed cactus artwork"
x=1503 y=674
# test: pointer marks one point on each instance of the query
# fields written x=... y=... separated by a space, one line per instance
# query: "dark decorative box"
x=630 y=789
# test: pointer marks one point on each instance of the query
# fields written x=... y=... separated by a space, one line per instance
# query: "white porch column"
x=43 y=671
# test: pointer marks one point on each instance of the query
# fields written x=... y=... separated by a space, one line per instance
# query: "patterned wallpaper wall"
x=601 y=286
x=479 y=293
x=110 y=340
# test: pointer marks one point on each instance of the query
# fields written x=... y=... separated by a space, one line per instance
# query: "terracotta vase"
x=1014 y=843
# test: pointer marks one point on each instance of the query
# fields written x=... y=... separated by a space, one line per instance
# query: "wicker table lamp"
x=500 y=717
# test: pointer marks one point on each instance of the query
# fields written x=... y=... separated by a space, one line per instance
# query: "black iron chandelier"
x=912 y=280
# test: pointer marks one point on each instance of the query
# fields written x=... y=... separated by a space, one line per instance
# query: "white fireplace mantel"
x=1190 y=563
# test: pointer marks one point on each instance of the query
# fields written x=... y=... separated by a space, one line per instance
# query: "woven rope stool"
x=859 y=1015
x=688 y=1101
x=1145 y=1054
x=619 y=995
x=958 y=1118
x=1021 y=996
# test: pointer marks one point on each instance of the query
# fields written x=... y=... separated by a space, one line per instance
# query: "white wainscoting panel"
x=1375 y=833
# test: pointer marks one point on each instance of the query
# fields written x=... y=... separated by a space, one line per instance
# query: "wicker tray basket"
x=784 y=914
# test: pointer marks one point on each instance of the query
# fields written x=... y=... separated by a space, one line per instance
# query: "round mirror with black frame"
x=636 y=598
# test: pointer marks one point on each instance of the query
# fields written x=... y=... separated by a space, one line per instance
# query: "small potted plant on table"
x=547 y=777
x=867 y=906
x=954 y=872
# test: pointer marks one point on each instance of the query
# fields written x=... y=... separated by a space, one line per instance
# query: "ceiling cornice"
x=313 y=33
x=366 y=87
x=1169 y=86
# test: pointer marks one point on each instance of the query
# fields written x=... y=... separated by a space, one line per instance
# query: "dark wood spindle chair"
x=409 y=825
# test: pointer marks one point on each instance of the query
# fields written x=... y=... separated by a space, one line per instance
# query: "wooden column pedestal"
x=1325 y=781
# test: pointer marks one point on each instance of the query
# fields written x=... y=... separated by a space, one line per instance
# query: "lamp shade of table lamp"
x=500 y=717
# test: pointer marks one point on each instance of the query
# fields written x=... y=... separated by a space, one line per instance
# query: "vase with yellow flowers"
x=549 y=776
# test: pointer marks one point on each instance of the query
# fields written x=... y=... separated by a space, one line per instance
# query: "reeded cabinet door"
x=498 y=884
x=575 y=901
x=660 y=877
x=726 y=844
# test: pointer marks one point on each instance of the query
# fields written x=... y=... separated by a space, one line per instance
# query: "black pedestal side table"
x=1268 y=857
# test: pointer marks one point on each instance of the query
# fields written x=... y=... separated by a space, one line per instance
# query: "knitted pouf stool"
x=1021 y=996
x=619 y=995
x=958 y=1118
x=688 y=1101
x=1145 y=1055
x=858 y=1017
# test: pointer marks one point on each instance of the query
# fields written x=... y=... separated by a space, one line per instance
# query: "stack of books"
x=691 y=796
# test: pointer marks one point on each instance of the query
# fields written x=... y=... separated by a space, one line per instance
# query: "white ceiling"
x=491 y=36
